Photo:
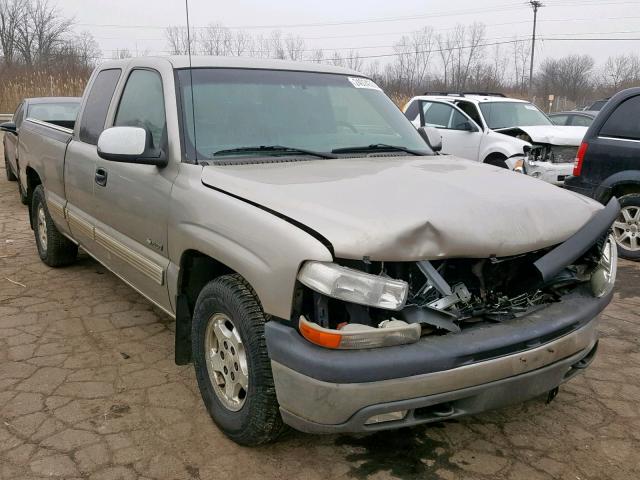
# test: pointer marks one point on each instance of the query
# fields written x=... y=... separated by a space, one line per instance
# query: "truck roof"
x=201 y=61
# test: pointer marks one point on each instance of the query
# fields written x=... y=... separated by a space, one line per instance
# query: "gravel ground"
x=88 y=389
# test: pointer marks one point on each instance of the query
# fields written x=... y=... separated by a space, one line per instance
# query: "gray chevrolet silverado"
x=326 y=268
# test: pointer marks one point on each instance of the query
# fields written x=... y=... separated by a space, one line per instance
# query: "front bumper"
x=325 y=391
x=555 y=173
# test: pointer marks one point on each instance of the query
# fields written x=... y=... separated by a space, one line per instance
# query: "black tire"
x=631 y=200
x=497 y=160
x=59 y=250
x=258 y=420
x=10 y=175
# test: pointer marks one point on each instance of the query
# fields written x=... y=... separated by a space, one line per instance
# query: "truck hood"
x=410 y=208
x=551 y=134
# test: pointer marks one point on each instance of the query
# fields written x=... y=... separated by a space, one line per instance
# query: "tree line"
x=41 y=51
x=461 y=59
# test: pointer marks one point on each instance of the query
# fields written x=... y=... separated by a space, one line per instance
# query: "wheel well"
x=33 y=180
x=492 y=157
x=196 y=270
x=625 y=189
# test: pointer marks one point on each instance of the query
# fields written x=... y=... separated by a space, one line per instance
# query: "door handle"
x=101 y=177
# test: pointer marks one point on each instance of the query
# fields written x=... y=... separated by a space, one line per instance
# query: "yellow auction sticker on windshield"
x=360 y=82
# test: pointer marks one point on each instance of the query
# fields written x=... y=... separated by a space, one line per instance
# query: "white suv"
x=501 y=131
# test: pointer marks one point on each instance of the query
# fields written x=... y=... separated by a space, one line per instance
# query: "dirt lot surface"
x=88 y=389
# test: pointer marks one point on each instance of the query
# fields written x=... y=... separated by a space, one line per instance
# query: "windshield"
x=512 y=114
x=320 y=112
x=48 y=112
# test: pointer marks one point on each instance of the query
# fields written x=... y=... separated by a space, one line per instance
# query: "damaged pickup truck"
x=500 y=131
x=325 y=268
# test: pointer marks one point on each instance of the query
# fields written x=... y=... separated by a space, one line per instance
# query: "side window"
x=441 y=115
x=412 y=111
x=624 y=122
x=471 y=110
x=581 y=121
x=142 y=105
x=95 y=111
x=560 y=119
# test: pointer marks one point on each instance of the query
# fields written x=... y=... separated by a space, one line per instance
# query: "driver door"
x=461 y=136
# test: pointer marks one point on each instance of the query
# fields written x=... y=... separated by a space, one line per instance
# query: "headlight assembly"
x=354 y=286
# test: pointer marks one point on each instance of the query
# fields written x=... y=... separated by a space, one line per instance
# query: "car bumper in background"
x=324 y=391
x=555 y=173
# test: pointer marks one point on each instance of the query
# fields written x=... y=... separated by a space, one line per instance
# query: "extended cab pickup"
x=325 y=267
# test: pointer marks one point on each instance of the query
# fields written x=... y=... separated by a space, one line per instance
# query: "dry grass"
x=19 y=83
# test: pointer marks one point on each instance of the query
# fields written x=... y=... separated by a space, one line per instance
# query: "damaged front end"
x=366 y=304
x=546 y=161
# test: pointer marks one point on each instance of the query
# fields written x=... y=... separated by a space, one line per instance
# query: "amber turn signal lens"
x=322 y=338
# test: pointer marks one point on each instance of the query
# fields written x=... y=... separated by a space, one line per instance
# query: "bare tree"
x=241 y=43
x=412 y=61
x=621 y=71
x=41 y=31
x=215 y=39
x=294 y=47
x=11 y=14
x=317 y=56
x=521 y=55
x=81 y=50
x=121 y=54
x=178 y=40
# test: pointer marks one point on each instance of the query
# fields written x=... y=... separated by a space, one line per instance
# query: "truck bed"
x=43 y=147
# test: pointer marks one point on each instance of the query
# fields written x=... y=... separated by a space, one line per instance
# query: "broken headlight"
x=604 y=276
x=354 y=286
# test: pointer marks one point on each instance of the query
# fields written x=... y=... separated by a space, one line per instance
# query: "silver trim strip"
x=49 y=125
x=80 y=224
x=331 y=403
x=137 y=261
x=56 y=207
x=128 y=283
x=620 y=139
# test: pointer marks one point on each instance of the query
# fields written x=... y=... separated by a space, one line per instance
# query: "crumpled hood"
x=552 y=134
x=411 y=208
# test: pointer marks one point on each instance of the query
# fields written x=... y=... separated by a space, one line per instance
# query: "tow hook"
x=552 y=394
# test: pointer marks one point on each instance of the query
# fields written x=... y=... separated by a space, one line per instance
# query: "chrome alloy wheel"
x=42 y=228
x=626 y=228
x=226 y=362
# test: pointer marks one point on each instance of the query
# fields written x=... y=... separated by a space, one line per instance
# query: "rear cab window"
x=95 y=111
x=624 y=122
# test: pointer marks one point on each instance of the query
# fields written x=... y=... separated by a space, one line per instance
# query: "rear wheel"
x=54 y=249
x=231 y=362
x=10 y=175
x=626 y=228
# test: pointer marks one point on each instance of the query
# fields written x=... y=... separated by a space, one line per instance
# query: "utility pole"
x=535 y=4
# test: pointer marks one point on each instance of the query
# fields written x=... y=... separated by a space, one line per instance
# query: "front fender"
x=506 y=145
x=265 y=249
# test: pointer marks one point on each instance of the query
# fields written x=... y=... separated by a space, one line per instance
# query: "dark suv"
x=608 y=164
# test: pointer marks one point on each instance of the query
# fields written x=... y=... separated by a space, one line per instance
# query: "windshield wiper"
x=377 y=147
x=271 y=149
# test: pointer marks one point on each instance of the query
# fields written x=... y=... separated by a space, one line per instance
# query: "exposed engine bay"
x=447 y=296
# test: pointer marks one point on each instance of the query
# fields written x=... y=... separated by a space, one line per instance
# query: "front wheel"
x=626 y=228
x=54 y=249
x=231 y=362
x=497 y=160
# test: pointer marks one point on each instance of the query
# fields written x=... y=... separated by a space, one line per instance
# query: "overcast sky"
x=370 y=26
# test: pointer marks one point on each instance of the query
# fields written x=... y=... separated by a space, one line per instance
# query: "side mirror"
x=432 y=138
x=9 y=127
x=130 y=145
